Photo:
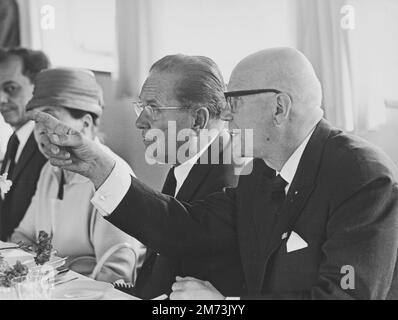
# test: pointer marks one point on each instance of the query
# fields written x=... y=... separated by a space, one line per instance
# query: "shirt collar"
x=23 y=135
x=24 y=132
x=290 y=167
x=181 y=172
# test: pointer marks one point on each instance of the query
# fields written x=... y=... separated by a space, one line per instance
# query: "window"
x=76 y=33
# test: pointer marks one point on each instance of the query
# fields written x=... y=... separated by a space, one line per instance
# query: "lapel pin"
x=284 y=236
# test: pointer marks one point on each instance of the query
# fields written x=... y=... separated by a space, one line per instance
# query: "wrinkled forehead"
x=160 y=88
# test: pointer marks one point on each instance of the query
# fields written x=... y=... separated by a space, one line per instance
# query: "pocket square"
x=295 y=242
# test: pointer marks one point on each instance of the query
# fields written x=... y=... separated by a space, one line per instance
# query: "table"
x=14 y=253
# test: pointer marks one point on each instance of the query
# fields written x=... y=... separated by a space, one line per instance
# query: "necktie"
x=9 y=159
x=170 y=184
x=278 y=189
x=61 y=186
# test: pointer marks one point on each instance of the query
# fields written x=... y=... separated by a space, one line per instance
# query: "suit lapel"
x=193 y=181
x=199 y=172
x=26 y=155
x=300 y=191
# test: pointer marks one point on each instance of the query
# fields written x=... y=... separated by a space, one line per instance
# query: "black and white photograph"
x=217 y=151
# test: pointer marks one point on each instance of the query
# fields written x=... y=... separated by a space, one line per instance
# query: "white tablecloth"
x=15 y=253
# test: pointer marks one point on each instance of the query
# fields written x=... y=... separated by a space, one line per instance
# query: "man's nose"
x=143 y=122
x=3 y=97
x=226 y=115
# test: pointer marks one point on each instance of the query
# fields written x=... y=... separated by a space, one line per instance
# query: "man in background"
x=22 y=161
x=185 y=93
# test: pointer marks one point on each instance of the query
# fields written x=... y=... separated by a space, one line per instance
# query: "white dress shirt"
x=290 y=167
x=23 y=135
x=182 y=171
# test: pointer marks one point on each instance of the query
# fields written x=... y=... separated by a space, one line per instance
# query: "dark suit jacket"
x=159 y=271
x=25 y=176
x=343 y=202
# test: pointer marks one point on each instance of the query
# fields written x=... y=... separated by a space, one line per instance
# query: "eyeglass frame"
x=242 y=93
x=138 y=105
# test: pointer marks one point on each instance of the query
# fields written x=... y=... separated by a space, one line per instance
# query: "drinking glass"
x=32 y=287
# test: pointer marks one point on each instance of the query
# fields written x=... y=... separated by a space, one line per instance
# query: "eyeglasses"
x=232 y=94
x=152 y=112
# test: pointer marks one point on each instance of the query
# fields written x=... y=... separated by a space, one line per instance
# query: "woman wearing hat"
x=61 y=205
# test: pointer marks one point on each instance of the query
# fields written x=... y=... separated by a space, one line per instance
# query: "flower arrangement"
x=7 y=273
x=43 y=255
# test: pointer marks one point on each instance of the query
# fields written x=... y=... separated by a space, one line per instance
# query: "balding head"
x=284 y=69
x=280 y=121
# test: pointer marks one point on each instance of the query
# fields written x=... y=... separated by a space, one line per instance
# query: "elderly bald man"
x=316 y=218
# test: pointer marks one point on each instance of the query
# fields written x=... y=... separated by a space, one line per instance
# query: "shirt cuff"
x=113 y=190
x=232 y=298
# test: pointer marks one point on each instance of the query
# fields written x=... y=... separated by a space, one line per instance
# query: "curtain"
x=343 y=58
x=134 y=48
x=31 y=34
x=9 y=24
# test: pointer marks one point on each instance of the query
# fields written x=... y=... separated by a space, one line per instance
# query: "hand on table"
x=69 y=149
x=189 y=288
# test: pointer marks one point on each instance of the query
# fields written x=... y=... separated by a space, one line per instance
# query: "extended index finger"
x=44 y=119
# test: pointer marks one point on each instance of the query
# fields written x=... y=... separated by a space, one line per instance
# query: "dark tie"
x=278 y=193
x=170 y=184
x=61 y=186
x=9 y=158
x=275 y=202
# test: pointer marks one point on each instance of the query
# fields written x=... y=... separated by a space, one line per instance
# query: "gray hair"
x=201 y=83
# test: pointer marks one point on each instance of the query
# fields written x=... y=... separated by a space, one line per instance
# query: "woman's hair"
x=78 y=114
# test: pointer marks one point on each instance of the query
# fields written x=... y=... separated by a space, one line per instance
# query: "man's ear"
x=201 y=120
x=282 y=108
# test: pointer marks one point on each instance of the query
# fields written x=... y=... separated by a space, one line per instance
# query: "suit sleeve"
x=178 y=229
x=362 y=234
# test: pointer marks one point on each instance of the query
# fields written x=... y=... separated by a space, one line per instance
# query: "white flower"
x=5 y=185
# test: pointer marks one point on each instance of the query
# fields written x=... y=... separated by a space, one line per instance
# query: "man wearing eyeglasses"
x=316 y=218
x=185 y=93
